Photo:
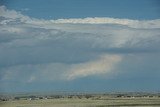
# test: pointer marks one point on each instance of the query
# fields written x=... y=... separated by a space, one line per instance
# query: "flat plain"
x=75 y=102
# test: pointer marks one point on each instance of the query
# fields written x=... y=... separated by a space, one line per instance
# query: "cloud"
x=60 y=71
x=100 y=66
x=66 y=49
x=127 y=22
x=11 y=15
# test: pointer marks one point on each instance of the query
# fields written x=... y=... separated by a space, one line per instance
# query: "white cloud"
x=11 y=15
x=59 y=71
x=101 y=66
x=104 y=20
x=66 y=49
x=12 y=30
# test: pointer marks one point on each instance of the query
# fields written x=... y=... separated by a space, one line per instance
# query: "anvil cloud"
x=67 y=49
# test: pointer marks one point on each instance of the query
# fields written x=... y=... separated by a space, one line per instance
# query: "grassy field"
x=110 y=102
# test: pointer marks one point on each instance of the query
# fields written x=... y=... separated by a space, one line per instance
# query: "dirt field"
x=116 y=102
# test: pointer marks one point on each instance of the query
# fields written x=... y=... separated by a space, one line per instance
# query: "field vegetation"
x=82 y=100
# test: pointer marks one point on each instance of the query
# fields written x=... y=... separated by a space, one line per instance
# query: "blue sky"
x=79 y=45
x=55 y=9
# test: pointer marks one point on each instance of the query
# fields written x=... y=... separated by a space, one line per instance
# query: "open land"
x=85 y=100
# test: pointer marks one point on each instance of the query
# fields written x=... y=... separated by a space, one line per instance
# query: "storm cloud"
x=66 y=49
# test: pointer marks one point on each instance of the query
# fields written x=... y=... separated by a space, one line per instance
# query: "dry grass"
x=116 y=102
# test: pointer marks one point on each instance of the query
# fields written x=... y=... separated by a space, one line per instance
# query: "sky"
x=79 y=45
x=55 y=9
